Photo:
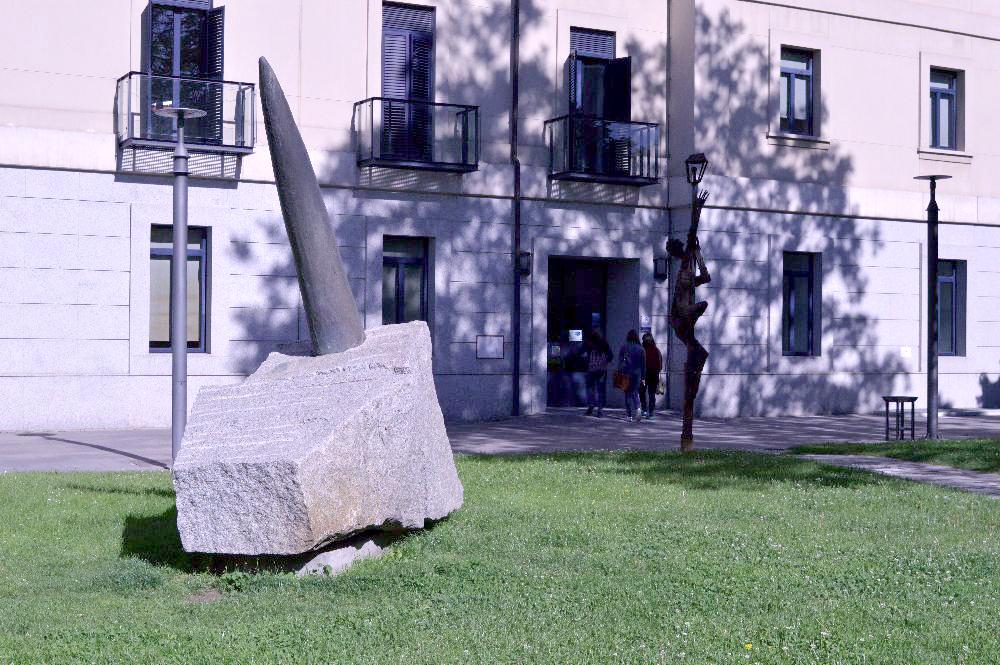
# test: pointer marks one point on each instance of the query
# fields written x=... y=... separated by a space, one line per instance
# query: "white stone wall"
x=74 y=235
x=849 y=195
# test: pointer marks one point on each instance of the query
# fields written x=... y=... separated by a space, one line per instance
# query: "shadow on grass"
x=129 y=491
x=155 y=539
x=746 y=471
x=707 y=470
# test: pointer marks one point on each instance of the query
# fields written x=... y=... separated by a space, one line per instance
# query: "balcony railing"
x=216 y=141
x=593 y=149
x=410 y=134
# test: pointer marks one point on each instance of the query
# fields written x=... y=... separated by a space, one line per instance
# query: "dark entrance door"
x=577 y=303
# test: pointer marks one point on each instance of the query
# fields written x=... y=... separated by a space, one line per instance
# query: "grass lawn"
x=586 y=558
x=973 y=454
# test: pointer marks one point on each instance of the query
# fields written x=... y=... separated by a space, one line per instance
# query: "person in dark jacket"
x=598 y=355
x=651 y=381
x=632 y=362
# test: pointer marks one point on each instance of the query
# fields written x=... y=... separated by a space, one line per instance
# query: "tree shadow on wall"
x=473 y=272
x=990 y=397
x=742 y=329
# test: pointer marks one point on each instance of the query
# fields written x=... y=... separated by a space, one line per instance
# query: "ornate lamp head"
x=695 y=167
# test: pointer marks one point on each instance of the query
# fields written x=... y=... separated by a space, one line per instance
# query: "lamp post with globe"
x=178 y=276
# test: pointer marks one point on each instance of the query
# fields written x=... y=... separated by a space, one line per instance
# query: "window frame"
x=936 y=95
x=809 y=76
x=400 y=286
x=788 y=308
x=202 y=252
x=955 y=281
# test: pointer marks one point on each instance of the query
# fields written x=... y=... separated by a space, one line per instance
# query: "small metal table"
x=900 y=401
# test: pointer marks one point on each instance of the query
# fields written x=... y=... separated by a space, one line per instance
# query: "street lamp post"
x=932 y=306
x=684 y=308
x=178 y=277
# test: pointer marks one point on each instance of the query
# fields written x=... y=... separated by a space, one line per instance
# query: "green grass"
x=569 y=558
x=972 y=454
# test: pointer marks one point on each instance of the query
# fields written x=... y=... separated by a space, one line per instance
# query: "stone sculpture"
x=334 y=322
x=685 y=311
x=312 y=449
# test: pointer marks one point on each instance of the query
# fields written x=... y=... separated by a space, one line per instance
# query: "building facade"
x=814 y=118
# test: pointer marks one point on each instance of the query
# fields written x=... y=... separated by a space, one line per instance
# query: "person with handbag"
x=598 y=356
x=651 y=381
x=631 y=369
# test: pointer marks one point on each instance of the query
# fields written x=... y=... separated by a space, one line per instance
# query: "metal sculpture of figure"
x=685 y=311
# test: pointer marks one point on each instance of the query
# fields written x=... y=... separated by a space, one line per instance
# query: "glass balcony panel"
x=399 y=133
x=228 y=126
x=591 y=148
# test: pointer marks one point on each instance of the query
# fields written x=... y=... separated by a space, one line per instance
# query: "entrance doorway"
x=586 y=294
x=578 y=300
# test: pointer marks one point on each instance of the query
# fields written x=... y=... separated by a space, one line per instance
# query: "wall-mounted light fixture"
x=524 y=263
x=695 y=167
x=661 y=267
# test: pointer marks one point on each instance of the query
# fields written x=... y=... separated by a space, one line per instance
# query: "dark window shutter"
x=407 y=17
x=407 y=74
x=618 y=90
x=592 y=43
x=421 y=66
x=214 y=52
x=421 y=88
x=395 y=57
x=572 y=83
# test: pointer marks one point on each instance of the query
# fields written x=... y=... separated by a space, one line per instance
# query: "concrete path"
x=570 y=430
x=945 y=476
x=556 y=431
x=93 y=450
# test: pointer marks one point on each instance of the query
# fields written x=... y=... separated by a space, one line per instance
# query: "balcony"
x=410 y=134
x=217 y=142
x=590 y=149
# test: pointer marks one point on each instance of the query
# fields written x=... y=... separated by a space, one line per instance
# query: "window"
x=404 y=279
x=951 y=308
x=408 y=78
x=795 y=91
x=184 y=40
x=944 y=109
x=600 y=104
x=801 y=311
x=599 y=84
x=161 y=255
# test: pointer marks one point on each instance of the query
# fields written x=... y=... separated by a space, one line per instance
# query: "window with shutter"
x=407 y=82
x=184 y=40
x=600 y=97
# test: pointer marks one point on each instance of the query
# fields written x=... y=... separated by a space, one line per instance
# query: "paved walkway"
x=570 y=430
x=945 y=476
x=556 y=431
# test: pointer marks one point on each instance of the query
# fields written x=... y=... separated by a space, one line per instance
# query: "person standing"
x=598 y=356
x=632 y=363
x=651 y=382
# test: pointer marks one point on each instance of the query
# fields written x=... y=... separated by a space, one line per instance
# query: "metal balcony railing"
x=592 y=149
x=216 y=141
x=411 y=134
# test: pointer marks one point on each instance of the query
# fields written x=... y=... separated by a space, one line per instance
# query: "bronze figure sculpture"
x=685 y=311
